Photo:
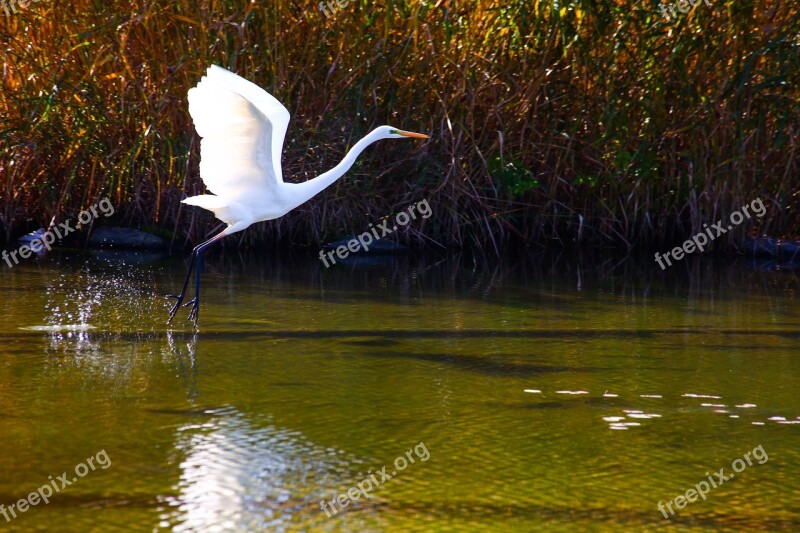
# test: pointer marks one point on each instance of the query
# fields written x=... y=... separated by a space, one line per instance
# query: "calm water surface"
x=548 y=394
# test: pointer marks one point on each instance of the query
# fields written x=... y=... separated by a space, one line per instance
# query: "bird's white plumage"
x=242 y=129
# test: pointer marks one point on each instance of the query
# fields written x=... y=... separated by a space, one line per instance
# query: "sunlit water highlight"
x=552 y=395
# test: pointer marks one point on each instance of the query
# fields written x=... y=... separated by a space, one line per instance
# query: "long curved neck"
x=312 y=187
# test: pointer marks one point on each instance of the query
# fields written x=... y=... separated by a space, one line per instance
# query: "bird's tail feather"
x=217 y=205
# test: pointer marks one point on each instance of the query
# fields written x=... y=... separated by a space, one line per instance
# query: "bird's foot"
x=194 y=314
x=175 y=307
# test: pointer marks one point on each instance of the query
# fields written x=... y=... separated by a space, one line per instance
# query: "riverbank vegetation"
x=551 y=124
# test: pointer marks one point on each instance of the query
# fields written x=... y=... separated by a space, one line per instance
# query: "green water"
x=304 y=381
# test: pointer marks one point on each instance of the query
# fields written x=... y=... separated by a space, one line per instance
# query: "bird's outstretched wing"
x=242 y=129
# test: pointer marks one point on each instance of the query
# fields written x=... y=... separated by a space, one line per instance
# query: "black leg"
x=181 y=296
x=194 y=314
x=197 y=255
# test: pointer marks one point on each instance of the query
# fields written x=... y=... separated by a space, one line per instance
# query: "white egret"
x=242 y=129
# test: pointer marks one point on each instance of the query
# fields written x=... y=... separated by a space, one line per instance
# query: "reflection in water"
x=236 y=476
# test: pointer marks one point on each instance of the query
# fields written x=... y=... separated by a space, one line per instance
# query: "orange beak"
x=412 y=134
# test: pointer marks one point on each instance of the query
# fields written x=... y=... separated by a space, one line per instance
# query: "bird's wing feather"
x=242 y=129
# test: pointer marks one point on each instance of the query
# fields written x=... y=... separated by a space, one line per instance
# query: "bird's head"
x=390 y=132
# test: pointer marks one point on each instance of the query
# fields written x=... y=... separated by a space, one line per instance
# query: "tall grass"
x=551 y=123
